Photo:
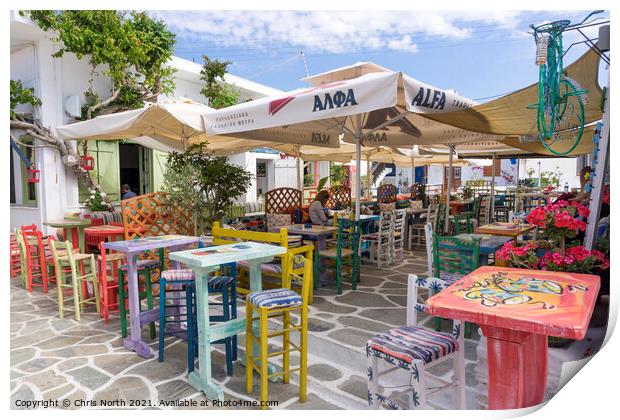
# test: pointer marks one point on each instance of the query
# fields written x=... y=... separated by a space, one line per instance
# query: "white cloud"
x=243 y=33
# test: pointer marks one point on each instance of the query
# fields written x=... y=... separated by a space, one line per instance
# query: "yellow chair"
x=67 y=262
x=279 y=303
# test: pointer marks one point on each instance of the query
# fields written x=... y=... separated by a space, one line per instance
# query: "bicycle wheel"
x=568 y=120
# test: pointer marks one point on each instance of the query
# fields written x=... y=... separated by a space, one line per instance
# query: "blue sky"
x=479 y=53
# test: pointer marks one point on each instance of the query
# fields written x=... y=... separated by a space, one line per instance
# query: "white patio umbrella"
x=375 y=107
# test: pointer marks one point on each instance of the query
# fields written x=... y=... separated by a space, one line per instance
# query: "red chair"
x=108 y=281
x=35 y=258
x=15 y=263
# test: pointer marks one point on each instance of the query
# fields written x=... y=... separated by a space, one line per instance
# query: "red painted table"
x=517 y=309
x=111 y=232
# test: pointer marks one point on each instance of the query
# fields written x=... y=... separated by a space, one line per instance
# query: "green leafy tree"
x=207 y=184
x=337 y=174
x=219 y=94
x=132 y=49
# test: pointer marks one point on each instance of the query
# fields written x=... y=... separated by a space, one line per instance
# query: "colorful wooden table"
x=73 y=228
x=132 y=248
x=111 y=232
x=460 y=205
x=488 y=244
x=205 y=261
x=517 y=309
x=514 y=230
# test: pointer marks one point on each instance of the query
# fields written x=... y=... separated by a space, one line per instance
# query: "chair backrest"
x=29 y=228
x=463 y=223
x=414 y=304
x=387 y=193
x=510 y=201
x=33 y=238
x=301 y=272
x=441 y=218
x=428 y=233
x=454 y=255
x=66 y=246
x=348 y=236
x=386 y=223
x=484 y=212
x=19 y=236
x=399 y=221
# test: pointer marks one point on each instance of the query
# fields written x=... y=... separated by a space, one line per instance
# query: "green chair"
x=145 y=268
x=346 y=252
x=72 y=273
x=463 y=223
x=454 y=258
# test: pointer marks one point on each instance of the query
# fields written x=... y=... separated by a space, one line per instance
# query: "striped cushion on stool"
x=414 y=343
x=275 y=298
x=178 y=275
x=220 y=282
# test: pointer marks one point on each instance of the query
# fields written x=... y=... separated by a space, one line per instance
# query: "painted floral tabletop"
x=541 y=302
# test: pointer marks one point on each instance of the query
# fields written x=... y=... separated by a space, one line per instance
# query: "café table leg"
x=134 y=341
x=517 y=368
x=200 y=378
x=81 y=239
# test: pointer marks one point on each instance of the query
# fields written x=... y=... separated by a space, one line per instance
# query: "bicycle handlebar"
x=562 y=24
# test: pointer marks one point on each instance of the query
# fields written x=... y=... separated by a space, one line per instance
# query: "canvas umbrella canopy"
x=168 y=125
x=374 y=108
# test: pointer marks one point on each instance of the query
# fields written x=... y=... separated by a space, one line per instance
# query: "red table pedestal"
x=517 y=368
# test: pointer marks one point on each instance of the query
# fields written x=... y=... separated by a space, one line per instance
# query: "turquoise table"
x=489 y=244
x=205 y=261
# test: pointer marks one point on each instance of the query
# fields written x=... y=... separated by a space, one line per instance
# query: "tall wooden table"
x=70 y=226
x=517 y=310
x=132 y=248
x=205 y=261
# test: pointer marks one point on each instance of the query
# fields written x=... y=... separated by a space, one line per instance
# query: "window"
x=456 y=170
x=22 y=192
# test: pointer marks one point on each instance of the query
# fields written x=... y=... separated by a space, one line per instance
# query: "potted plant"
x=560 y=221
x=519 y=256
x=96 y=202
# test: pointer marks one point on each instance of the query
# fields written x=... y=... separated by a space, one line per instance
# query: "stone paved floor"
x=53 y=358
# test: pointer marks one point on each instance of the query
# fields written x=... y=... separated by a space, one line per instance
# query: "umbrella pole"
x=358 y=160
x=412 y=171
x=368 y=183
x=299 y=186
x=492 y=219
x=449 y=187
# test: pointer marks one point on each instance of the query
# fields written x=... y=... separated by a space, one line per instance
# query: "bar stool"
x=278 y=303
x=71 y=259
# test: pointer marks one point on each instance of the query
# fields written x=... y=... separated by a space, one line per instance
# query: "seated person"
x=317 y=210
x=586 y=187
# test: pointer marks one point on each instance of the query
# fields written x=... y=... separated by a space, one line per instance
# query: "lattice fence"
x=339 y=197
x=479 y=186
x=282 y=200
x=387 y=193
x=152 y=215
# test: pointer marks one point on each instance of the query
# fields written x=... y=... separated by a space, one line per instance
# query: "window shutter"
x=159 y=168
x=107 y=169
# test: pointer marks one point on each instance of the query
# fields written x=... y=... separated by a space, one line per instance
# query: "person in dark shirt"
x=127 y=193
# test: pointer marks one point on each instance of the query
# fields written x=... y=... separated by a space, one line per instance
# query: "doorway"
x=135 y=167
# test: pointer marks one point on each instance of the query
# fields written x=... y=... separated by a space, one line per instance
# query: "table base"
x=211 y=390
x=138 y=346
x=517 y=368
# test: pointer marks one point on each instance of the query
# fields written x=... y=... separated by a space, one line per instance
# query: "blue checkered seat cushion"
x=220 y=282
x=275 y=298
x=178 y=275
x=414 y=343
x=141 y=264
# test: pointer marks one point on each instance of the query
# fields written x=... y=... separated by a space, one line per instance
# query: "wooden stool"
x=278 y=303
x=72 y=260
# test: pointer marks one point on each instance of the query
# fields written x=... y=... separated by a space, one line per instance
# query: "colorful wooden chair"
x=15 y=266
x=381 y=241
x=145 y=268
x=415 y=349
x=454 y=258
x=271 y=304
x=109 y=294
x=345 y=254
x=177 y=292
x=398 y=235
x=74 y=277
x=463 y=223
x=35 y=258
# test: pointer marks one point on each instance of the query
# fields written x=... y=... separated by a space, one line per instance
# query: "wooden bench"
x=275 y=269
